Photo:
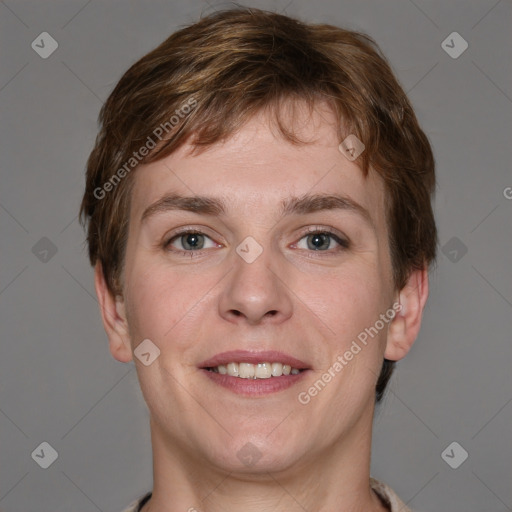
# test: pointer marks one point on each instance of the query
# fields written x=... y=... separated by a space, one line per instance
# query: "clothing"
x=386 y=494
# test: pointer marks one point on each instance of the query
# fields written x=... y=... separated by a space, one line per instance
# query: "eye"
x=191 y=241
x=321 y=241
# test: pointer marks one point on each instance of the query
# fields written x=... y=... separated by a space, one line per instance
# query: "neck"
x=337 y=478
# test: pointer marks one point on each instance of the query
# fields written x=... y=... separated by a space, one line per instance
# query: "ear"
x=114 y=318
x=405 y=326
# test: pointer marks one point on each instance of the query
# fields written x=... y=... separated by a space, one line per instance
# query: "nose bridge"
x=254 y=290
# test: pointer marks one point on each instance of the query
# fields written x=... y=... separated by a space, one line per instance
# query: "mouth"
x=264 y=370
x=254 y=373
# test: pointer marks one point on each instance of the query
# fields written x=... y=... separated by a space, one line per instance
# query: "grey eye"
x=321 y=241
x=191 y=241
x=318 y=241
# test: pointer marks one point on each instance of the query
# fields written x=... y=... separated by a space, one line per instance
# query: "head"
x=244 y=113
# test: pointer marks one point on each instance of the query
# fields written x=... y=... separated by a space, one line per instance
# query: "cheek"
x=162 y=301
x=350 y=305
x=347 y=300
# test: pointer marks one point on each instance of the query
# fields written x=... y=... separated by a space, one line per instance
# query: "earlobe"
x=113 y=314
x=404 y=328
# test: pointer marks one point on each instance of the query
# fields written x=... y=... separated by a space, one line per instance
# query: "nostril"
x=237 y=313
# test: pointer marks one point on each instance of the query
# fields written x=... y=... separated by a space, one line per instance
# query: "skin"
x=308 y=303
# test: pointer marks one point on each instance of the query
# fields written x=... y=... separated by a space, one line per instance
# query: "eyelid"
x=341 y=239
x=168 y=238
x=337 y=235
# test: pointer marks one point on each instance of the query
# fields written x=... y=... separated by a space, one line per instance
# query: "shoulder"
x=385 y=492
x=136 y=505
x=388 y=496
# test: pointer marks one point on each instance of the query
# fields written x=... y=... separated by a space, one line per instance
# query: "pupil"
x=192 y=241
x=319 y=240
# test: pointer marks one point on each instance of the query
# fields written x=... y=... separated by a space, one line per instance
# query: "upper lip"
x=246 y=356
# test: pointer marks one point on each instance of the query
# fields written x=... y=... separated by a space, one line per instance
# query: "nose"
x=256 y=292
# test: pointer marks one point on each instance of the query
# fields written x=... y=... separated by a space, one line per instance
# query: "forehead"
x=257 y=167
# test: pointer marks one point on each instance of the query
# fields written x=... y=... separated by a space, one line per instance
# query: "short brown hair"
x=231 y=65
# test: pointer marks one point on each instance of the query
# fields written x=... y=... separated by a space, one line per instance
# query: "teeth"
x=232 y=369
x=277 y=369
x=263 y=371
x=255 y=371
x=246 y=370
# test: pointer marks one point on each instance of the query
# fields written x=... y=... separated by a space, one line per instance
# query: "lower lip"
x=255 y=387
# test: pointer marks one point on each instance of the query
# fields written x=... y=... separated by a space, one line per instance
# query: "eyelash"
x=177 y=235
x=343 y=243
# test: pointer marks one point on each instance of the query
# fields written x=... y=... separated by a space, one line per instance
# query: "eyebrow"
x=196 y=204
x=303 y=205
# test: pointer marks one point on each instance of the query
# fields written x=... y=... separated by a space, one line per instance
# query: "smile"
x=254 y=374
x=255 y=371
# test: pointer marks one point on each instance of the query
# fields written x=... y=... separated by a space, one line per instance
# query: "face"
x=259 y=251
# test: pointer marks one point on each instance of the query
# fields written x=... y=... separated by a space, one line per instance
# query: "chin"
x=254 y=453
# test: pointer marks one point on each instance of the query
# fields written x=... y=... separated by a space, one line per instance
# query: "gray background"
x=58 y=381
